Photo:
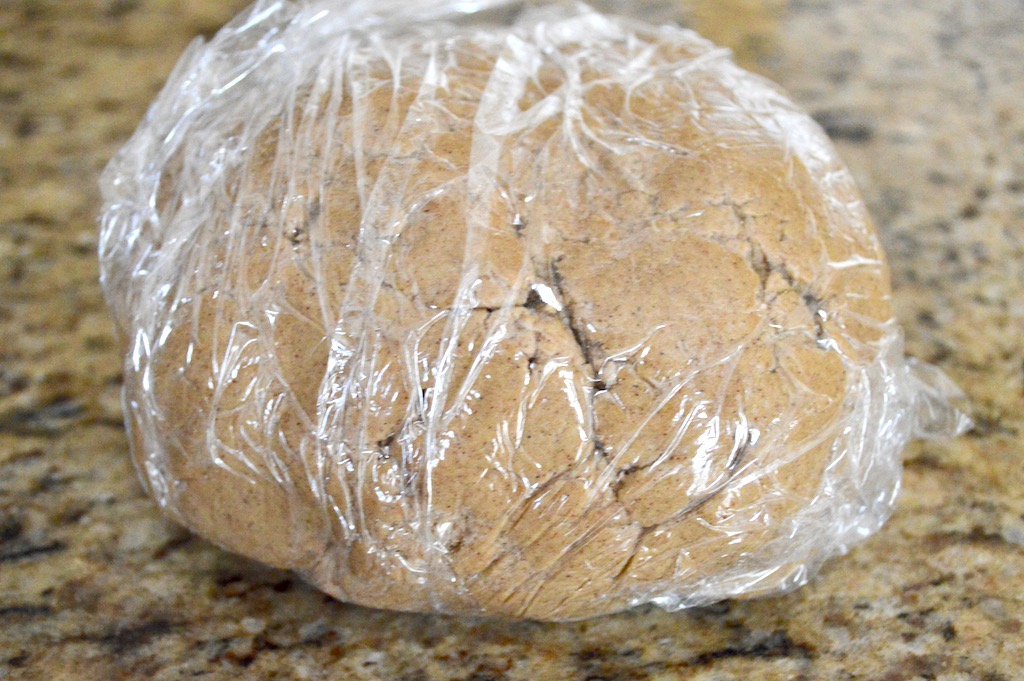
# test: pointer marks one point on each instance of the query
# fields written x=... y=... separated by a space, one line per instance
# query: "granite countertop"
x=925 y=101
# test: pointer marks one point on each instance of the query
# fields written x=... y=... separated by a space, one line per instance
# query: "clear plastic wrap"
x=474 y=308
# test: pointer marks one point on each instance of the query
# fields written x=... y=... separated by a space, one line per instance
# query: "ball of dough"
x=541 y=324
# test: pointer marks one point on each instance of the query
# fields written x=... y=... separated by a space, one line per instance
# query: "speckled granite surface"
x=925 y=101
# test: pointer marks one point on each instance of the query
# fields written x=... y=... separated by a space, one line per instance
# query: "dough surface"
x=542 y=322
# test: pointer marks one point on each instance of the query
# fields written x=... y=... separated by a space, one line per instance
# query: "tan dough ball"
x=543 y=327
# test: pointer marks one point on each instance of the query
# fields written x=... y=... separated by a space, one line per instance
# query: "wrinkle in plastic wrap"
x=476 y=308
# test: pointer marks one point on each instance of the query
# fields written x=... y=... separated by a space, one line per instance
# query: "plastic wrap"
x=474 y=308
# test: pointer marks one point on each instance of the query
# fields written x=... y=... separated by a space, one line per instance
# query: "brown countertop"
x=925 y=101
